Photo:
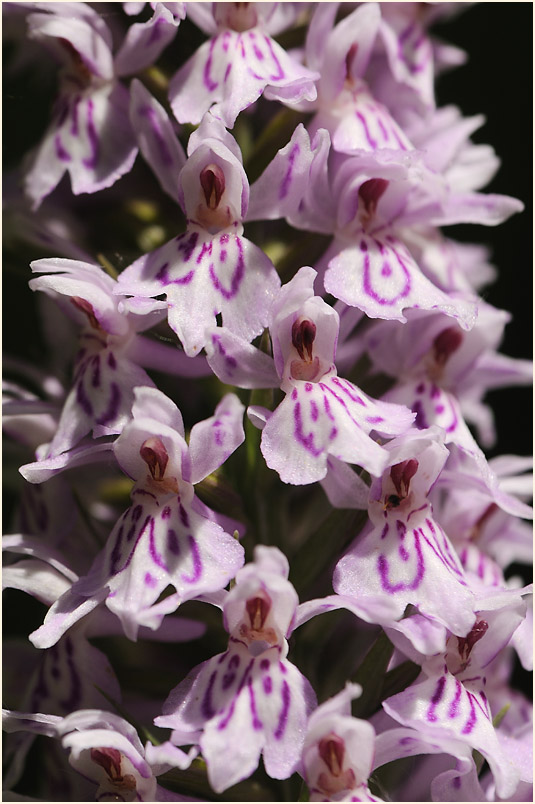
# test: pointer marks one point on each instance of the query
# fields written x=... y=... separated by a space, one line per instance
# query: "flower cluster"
x=235 y=219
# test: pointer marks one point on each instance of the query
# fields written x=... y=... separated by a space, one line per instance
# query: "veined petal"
x=444 y=707
x=282 y=185
x=231 y=71
x=214 y=439
x=414 y=563
x=145 y=41
x=381 y=278
x=157 y=140
x=92 y=138
x=237 y=362
x=64 y=31
x=211 y=274
x=325 y=418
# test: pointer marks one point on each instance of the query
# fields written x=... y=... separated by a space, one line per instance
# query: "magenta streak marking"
x=314 y=412
x=83 y=400
x=280 y=73
x=61 y=153
x=421 y=420
x=237 y=276
x=183 y=514
x=206 y=248
x=224 y=723
x=472 y=718
x=285 y=185
x=257 y=723
x=444 y=559
x=197 y=564
x=227 y=72
x=384 y=132
x=112 y=363
x=368 y=289
x=306 y=441
x=453 y=711
x=164 y=152
x=95 y=380
x=341 y=402
x=435 y=700
x=383 y=567
x=91 y=161
x=110 y=414
x=283 y=717
x=362 y=119
x=209 y=83
x=385 y=530
x=417 y=510
x=113 y=570
x=207 y=708
x=267 y=685
x=347 y=389
x=153 y=552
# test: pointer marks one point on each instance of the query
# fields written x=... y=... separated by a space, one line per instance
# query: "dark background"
x=497 y=80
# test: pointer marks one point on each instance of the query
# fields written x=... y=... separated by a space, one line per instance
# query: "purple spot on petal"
x=267 y=684
x=264 y=664
x=112 y=363
x=166 y=513
x=149 y=580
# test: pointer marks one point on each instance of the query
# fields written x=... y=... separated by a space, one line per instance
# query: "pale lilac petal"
x=444 y=707
x=63 y=31
x=23 y=721
x=165 y=756
x=381 y=278
x=168 y=358
x=145 y=41
x=237 y=362
x=282 y=185
x=153 y=547
x=344 y=487
x=213 y=440
x=223 y=274
x=409 y=52
x=486 y=209
x=157 y=139
x=412 y=563
x=321 y=22
x=231 y=71
x=312 y=422
x=35 y=578
x=378 y=609
x=62 y=615
x=35 y=547
x=41 y=470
